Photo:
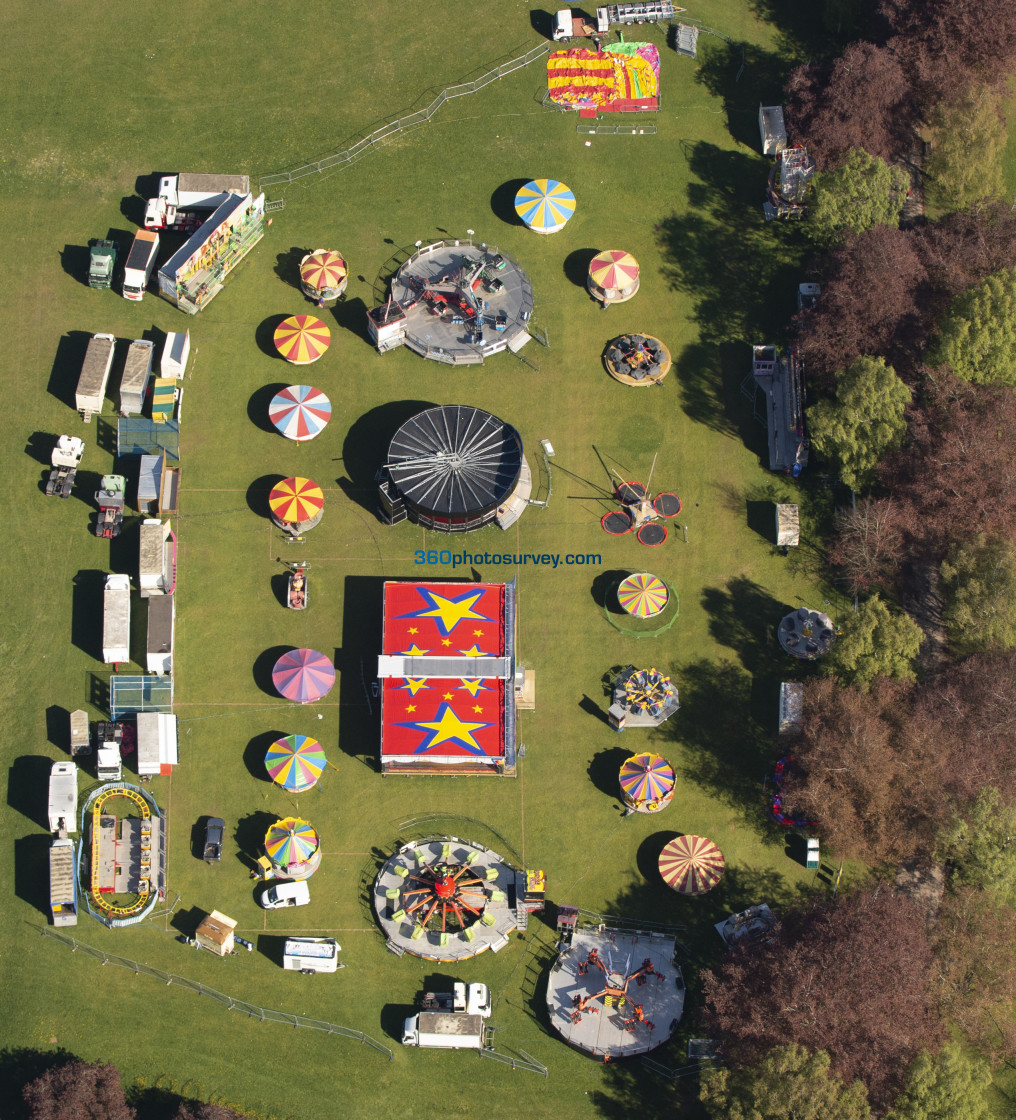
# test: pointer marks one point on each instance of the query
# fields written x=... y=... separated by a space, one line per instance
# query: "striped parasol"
x=300 y=412
x=302 y=339
x=647 y=777
x=643 y=595
x=323 y=270
x=291 y=842
x=613 y=269
x=691 y=864
x=545 y=205
x=295 y=762
x=296 y=500
x=303 y=675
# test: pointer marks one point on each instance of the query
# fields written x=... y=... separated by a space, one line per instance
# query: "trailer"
x=772 y=129
x=161 y=629
x=158 y=744
x=450 y=1020
x=140 y=263
x=185 y=200
x=311 y=954
x=63 y=883
x=81 y=742
x=175 y=353
x=63 y=797
x=650 y=11
x=116 y=620
x=136 y=373
x=156 y=559
x=91 y=390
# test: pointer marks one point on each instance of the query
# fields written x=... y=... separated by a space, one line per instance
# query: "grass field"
x=96 y=104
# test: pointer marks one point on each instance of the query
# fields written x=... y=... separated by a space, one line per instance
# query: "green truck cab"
x=101 y=262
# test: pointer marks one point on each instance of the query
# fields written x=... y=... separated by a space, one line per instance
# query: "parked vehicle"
x=311 y=954
x=101 y=263
x=185 y=201
x=116 y=619
x=63 y=797
x=137 y=372
x=63 y=883
x=285 y=893
x=66 y=459
x=91 y=390
x=110 y=502
x=450 y=1020
x=108 y=757
x=140 y=262
x=297 y=588
x=215 y=830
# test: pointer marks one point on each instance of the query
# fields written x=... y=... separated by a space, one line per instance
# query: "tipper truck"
x=186 y=200
x=450 y=1020
x=91 y=390
x=137 y=372
x=140 y=262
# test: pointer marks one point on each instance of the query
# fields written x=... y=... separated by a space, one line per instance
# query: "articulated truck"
x=185 y=201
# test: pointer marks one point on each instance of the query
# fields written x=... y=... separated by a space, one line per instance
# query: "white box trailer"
x=161 y=629
x=91 y=390
x=137 y=372
x=158 y=744
x=311 y=954
x=175 y=354
x=116 y=620
x=445 y=1030
x=155 y=559
x=63 y=884
x=63 y=797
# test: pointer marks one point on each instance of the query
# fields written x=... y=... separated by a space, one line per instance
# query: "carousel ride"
x=647 y=783
x=691 y=864
x=616 y=994
x=445 y=899
x=323 y=276
x=642 y=698
x=302 y=339
x=640 y=512
x=293 y=848
x=613 y=277
x=638 y=360
x=296 y=505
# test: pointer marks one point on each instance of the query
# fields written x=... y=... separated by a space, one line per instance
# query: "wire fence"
x=264 y=1014
x=527 y=1061
x=411 y=120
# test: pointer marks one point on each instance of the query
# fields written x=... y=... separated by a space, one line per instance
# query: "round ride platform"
x=617 y=522
x=629 y=493
x=652 y=534
x=667 y=504
x=638 y=360
x=445 y=899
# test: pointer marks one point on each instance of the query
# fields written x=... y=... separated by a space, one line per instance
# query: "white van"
x=285 y=893
x=311 y=954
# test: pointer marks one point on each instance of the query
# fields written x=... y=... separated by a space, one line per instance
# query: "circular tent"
x=303 y=676
x=691 y=864
x=323 y=276
x=545 y=205
x=296 y=504
x=294 y=848
x=302 y=339
x=300 y=412
x=454 y=465
x=647 y=782
x=295 y=762
x=613 y=276
x=643 y=595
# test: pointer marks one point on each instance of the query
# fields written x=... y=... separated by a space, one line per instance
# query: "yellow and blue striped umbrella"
x=545 y=205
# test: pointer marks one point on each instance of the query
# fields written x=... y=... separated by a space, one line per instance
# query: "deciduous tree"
x=788 y=1081
x=851 y=977
x=965 y=165
x=875 y=642
x=980 y=846
x=948 y=1085
x=78 y=1091
x=859 y=194
x=866 y=545
x=977 y=338
x=863 y=422
x=980 y=578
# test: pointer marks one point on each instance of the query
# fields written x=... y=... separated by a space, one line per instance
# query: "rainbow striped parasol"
x=295 y=762
x=291 y=843
x=643 y=595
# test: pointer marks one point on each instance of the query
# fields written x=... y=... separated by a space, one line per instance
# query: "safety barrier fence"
x=411 y=120
x=527 y=1061
x=264 y=1014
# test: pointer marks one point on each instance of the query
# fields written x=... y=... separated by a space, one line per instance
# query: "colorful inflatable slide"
x=624 y=78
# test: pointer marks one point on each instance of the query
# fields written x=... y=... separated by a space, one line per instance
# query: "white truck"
x=137 y=372
x=571 y=25
x=66 y=458
x=116 y=619
x=450 y=1020
x=91 y=390
x=63 y=797
x=185 y=201
x=140 y=262
x=311 y=954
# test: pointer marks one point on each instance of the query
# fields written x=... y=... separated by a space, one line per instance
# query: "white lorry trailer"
x=450 y=1020
x=155 y=559
x=91 y=390
x=63 y=884
x=184 y=201
x=137 y=372
x=116 y=619
x=63 y=797
x=140 y=262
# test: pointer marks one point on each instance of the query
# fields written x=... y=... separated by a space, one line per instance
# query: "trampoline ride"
x=455 y=468
x=296 y=505
x=638 y=360
x=545 y=205
x=640 y=513
x=647 y=783
x=323 y=276
x=445 y=899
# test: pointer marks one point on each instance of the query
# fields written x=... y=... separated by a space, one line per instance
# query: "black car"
x=214 y=832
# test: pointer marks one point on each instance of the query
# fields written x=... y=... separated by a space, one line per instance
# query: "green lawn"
x=94 y=105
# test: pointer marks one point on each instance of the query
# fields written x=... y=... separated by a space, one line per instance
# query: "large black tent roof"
x=455 y=461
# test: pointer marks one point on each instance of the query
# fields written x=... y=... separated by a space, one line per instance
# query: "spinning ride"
x=640 y=513
x=647 y=783
x=643 y=595
x=296 y=505
x=642 y=698
x=293 y=847
x=638 y=360
x=323 y=276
